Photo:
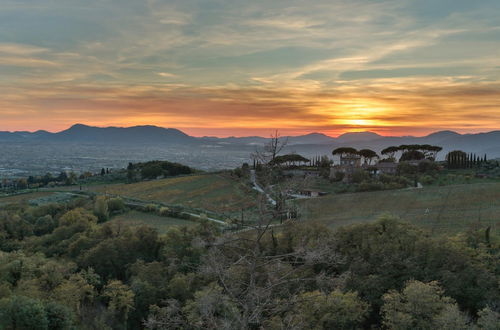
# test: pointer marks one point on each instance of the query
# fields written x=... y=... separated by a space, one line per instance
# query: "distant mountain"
x=112 y=135
x=249 y=140
x=309 y=144
x=357 y=136
x=109 y=135
x=312 y=138
x=442 y=135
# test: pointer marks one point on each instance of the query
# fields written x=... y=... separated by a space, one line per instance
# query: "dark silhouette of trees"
x=410 y=155
x=290 y=159
x=390 y=152
x=345 y=152
x=368 y=155
x=456 y=159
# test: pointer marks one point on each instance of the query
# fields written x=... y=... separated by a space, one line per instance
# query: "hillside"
x=213 y=192
x=441 y=209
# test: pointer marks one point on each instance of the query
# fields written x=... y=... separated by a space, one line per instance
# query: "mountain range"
x=480 y=143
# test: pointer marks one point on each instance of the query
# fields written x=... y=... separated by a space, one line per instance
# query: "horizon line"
x=245 y=136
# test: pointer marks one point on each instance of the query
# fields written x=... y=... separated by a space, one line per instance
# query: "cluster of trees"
x=155 y=169
x=77 y=272
x=412 y=152
x=459 y=159
x=289 y=160
x=64 y=178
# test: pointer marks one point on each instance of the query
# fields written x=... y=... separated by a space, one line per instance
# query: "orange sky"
x=248 y=69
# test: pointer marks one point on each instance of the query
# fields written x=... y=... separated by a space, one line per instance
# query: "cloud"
x=24 y=62
x=299 y=64
x=19 y=49
x=167 y=75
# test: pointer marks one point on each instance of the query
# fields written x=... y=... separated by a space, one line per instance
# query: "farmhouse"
x=351 y=160
x=311 y=193
x=386 y=168
x=306 y=193
x=348 y=164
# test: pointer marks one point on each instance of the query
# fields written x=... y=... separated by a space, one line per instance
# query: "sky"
x=239 y=67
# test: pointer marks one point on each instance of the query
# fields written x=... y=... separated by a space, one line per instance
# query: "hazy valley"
x=83 y=148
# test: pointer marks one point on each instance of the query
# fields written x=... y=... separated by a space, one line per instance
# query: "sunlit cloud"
x=240 y=67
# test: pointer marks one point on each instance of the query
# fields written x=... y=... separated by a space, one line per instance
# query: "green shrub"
x=359 y=176
x=427 y=179
x=116 y=205
x=338 y=176
x=151 y=208
x=164 y=211
x=370 y=186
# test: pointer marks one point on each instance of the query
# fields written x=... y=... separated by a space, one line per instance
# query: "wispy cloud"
x=295 y=64
x=19 y=49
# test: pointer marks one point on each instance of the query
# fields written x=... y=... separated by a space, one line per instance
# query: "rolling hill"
x=309 y=144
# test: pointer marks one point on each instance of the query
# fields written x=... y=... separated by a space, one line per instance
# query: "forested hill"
x=66 y=266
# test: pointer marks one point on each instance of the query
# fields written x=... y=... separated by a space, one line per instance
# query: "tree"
x=19 y=312
x=71 y=179
x=488 y=319
x=168 y=317
x=316 y=310
x=151 y=171
x=271 y=149
x=101 y=210
x=390 y=152
x=121 y=299
x=412 y=155
x=456 y=159
x=63 y=176
x=116 y=205
x=44 y=225
x=385 y=254
x=290 y=159
x=259 y=272
x=212 y=309
x=22 y=183
x=368 y=154
x=59 y=317
x=74 y=292
x=345 y=152
x=77 y=216
x=431 y=151
x=130 y=172
x=421 y=306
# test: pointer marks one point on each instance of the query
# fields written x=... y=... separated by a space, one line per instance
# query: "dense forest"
x=65 y=266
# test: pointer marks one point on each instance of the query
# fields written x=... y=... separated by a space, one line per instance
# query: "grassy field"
x=162 y=224
x=440 y=209
x=23 y=198
x=214 y=192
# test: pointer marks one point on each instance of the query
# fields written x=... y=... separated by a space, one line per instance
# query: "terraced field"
x=443 y=209
x=214 y=192
x=162 y=224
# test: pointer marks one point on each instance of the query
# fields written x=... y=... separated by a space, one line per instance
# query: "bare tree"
x=261 y=275
x=271 y=149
